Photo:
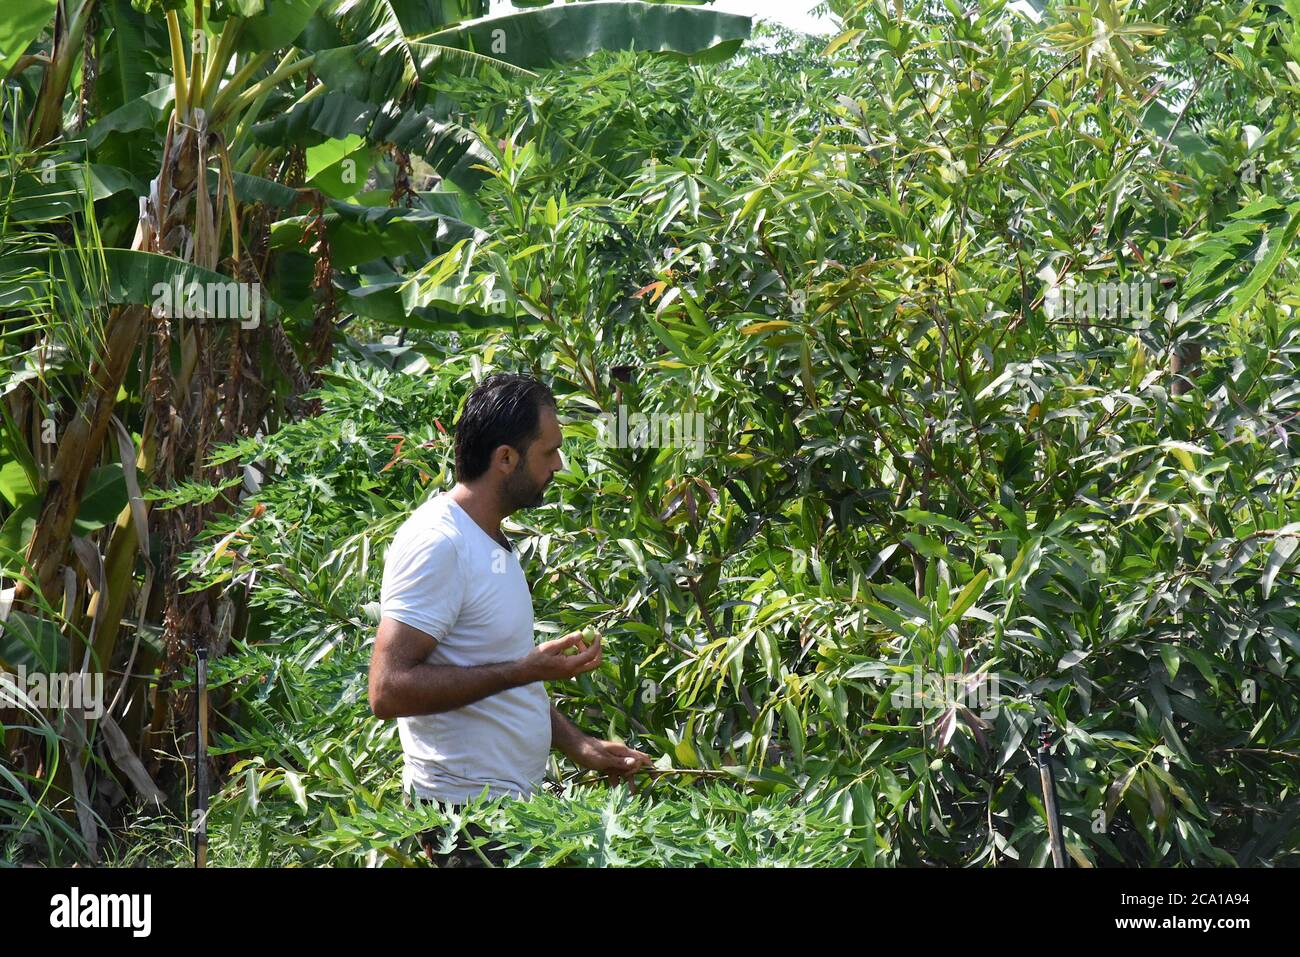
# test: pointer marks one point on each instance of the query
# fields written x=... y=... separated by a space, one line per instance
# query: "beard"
x=521 y=491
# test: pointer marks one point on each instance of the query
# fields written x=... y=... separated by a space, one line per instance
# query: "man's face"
x=524 y=487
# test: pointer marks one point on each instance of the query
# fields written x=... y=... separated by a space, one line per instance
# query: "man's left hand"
x=618 y=761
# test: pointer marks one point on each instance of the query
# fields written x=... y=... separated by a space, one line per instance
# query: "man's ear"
x=503 y=457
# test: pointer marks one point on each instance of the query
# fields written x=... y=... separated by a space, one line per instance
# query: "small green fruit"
x=588 y=635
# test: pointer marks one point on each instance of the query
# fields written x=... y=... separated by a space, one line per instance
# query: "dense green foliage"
x=911 y=462
x=851 y=263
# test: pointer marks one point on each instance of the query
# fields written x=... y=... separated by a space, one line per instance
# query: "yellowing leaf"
x=756 y=327
x=657 y=287
x=848 y=36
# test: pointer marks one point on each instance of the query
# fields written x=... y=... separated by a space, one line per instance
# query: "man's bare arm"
x=402 y=684
x=566 y=736
x=615 y=759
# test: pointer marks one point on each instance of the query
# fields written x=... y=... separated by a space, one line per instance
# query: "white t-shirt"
x=447 y=577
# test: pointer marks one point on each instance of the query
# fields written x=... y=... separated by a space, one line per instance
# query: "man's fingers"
x=624 y=751
x=566 y=648
x=556 y=645
x=572 y=639
x=587 y=655
x=571 y=655
x=622 y=765
x=583 y=668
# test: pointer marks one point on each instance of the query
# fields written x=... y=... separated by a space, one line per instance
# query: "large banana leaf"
x=447 y=147
x=143 y=113
x=384 y=23
x=129 y=43
x=255 y=189
x=103 y=500
x=422 y=16
x=121 y=277
x=538 y=38
x=20 y=24
x=359 y=234
x=366 y=72
x=42 y=194
x=276 y=24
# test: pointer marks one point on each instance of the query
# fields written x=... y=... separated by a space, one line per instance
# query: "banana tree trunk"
x=161 y=229
x=78 y=452
x=124 y=540
x=46 y=121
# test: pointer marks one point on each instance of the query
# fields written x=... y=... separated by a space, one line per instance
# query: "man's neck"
x=482 y=506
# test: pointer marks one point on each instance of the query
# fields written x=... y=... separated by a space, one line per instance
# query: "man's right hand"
x=551 y=660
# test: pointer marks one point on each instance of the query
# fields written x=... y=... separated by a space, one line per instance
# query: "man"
x=454 y=659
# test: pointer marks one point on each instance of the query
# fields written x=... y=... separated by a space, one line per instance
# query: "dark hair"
x=503 y=410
